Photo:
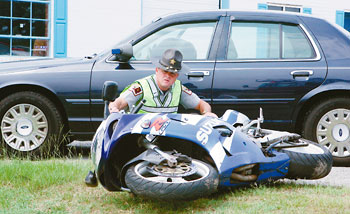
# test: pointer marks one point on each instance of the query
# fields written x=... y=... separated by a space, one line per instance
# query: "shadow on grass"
x=130 y=202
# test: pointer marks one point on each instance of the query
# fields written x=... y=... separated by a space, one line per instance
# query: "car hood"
x=36 y=64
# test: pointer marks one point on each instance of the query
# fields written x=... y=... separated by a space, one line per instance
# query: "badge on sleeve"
x=135 y=89
x=186 y=90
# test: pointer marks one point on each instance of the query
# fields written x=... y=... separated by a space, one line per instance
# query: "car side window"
x=192 y=39
x=253 y=41
x=295 y=44
x=249 y=40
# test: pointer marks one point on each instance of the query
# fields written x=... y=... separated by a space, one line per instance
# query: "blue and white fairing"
x=227 y=151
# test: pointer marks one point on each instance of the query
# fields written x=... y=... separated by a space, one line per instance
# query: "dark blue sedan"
x=293 y=66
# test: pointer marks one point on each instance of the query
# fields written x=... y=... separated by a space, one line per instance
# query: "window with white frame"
x=288 y=8
x=24 y=27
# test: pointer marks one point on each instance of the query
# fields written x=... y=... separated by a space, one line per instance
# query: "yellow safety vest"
x=152 y=94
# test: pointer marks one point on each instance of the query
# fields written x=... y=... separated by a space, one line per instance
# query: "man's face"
x=165 y=79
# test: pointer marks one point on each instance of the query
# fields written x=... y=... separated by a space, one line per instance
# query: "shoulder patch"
x=186 y=90
x=135 y=89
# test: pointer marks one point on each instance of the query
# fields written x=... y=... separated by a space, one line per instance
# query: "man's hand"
x=205 y=109
x=112 y=108
x=117 y=105
x=210 y=114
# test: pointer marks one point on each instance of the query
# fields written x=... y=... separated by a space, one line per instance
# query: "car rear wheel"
x=328 y=123
x=28 y=120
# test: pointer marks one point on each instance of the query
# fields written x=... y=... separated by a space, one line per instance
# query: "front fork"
x=147 y=143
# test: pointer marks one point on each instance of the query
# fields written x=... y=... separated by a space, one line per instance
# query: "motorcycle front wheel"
x=186 y=181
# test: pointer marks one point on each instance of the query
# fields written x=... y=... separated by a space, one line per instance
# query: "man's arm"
x=191 y=101
x=117 y=105
x=127 y=98
x=205 y=109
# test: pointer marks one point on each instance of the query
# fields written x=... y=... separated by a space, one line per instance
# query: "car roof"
x=216 y=13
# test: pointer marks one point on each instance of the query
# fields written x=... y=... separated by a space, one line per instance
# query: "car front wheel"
x=28 y=119
x=328 y=123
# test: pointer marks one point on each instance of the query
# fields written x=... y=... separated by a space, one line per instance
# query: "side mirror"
x=123 y=53
x=109 y=91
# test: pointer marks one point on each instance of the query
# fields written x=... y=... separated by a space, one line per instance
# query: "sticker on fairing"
x=159 y=125
x=205 y=130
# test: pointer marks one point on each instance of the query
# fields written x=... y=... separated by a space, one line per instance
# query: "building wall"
x=153 y=8
x=323 y=9
x=96 y=25
x=93 y=26
x=91 y=32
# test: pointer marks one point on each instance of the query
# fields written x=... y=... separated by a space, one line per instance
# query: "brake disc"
x=180 y=170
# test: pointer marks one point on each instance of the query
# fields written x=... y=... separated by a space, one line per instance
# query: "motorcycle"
x=186 y=156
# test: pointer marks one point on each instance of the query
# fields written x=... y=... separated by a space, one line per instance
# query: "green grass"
x=56 y=186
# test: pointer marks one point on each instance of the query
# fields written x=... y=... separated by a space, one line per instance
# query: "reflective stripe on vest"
x=147 y=109
x=151 y=94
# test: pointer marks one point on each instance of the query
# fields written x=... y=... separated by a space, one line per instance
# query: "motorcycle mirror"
x=109 y=91
x=261 y=116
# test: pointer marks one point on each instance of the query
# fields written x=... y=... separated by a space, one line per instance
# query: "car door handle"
x=197 y=73
x=302 y=73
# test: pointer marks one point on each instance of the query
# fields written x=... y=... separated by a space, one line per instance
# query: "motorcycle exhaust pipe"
x=245 y=168
x=243 y=174
x=242 y=178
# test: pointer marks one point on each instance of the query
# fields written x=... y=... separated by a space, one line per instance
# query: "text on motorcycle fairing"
x=205 y=130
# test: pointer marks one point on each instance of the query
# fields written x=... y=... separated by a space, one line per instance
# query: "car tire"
x=29 y=122
x=328 y=123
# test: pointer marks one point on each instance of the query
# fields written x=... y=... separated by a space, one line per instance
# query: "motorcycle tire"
x=311 y=162
x=142 y=182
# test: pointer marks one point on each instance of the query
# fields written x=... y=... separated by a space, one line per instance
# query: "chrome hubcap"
x=333 y=131
x=340 y=132
x=24 y=127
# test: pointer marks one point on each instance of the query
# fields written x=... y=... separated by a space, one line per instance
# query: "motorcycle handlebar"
x=138 y=107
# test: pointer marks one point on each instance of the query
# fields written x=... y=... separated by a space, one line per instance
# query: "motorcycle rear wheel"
x=311 y=162
x=163 y=186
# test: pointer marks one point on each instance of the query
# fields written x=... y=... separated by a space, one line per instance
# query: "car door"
x=194 y=38
x=266 y=62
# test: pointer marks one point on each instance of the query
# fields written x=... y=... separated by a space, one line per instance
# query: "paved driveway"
x=339 y=176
